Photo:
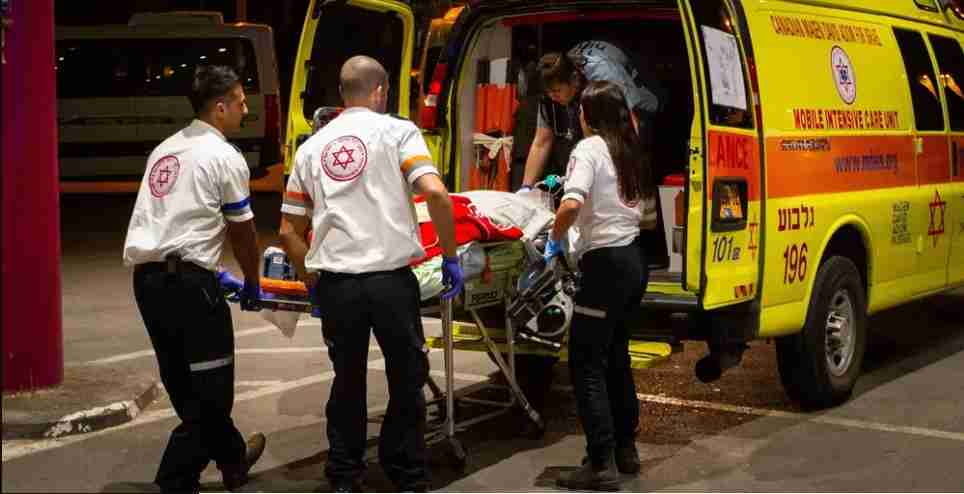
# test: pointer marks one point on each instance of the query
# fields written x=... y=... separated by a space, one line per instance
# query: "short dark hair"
x=556 y=68
x=211 y=82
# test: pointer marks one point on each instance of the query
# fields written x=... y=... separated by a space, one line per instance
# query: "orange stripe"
x=934 y=166
x=407 y=165
x=846 y=164
x=298 y=196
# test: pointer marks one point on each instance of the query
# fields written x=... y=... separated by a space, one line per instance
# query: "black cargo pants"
x=613 y=282
x=189 y=324
x=353 y=306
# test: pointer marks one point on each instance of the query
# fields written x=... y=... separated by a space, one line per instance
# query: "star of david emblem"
x=344 y=157
x=938 y=208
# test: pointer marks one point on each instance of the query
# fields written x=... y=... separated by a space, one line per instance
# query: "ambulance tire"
x=810 y=376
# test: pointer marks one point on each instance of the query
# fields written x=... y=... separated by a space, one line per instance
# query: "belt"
x=172 y=265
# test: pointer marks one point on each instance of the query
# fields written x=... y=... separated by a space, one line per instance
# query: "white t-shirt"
x=604 y=219
x=194 y=183
x=354 y=178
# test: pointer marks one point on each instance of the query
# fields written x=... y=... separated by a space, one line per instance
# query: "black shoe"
x=234 y=476
x=590 y=478
x=627 y=459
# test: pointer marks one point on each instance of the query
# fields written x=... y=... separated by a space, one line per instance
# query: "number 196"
x=794 y=263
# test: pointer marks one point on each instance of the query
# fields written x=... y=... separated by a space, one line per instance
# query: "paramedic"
x=194 y=189
x=354 y=178
x=609 y=199
x=563 y=79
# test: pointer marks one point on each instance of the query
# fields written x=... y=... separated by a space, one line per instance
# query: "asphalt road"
x=902 y=431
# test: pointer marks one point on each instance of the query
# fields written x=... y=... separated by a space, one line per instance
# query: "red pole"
x=33 y=347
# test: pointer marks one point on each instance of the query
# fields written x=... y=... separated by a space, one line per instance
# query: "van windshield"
x=344 y=31
x=104 y=68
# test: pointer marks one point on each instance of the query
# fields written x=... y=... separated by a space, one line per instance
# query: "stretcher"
x=484 y=318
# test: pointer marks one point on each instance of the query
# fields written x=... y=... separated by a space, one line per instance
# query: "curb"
x=85 y=421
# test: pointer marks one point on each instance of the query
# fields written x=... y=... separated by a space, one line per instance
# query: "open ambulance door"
x=334 y=31
x=724 y=195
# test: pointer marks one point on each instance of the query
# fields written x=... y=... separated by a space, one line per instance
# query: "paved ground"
x=902 y=431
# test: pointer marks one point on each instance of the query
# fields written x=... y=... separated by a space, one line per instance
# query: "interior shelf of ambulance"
x=499 y=92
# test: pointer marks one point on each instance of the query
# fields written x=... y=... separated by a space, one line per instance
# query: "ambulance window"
x=344 y=31
x=930 y=5
x=728 y=92
x=950 y=61
x=923 y=86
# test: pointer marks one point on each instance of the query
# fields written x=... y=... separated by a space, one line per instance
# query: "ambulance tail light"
x=428 y=119
x=271 y=151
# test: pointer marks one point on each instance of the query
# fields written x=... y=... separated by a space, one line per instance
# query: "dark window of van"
x=345 y=31
x=95 y=69
x=168 y=64
x=728 y=91
x=147 y=67
x=920 y=75
x=930 y=5
x=950 y=61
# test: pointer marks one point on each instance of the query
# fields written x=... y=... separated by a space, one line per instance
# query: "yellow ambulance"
x=811 y=150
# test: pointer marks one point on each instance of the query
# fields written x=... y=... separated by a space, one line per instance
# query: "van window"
x=147 y=67
x=375 y=34
x=723 y=63
x=920 y=75
x=950 y=61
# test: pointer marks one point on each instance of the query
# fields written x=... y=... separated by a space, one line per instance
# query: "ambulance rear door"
x=334 y=31
x=725 y=210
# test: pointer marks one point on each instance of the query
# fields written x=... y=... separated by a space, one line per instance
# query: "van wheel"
x=820 y=365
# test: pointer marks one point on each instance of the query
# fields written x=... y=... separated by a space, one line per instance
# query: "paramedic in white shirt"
x=353 y=180
x=195 y=188
x=608 y=197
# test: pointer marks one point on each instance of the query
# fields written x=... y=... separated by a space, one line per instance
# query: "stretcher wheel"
x=456 y=453
x=533 y=431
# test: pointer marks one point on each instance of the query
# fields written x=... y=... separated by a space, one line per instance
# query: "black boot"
x=592 y=478
x=627 y=458
x=234 y=476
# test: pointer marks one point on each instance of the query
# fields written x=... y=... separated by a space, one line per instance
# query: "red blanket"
x=470 y=226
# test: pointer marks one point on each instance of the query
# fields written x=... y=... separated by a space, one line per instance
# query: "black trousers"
x=353 y=306
x=613 y=282
x=190 y=327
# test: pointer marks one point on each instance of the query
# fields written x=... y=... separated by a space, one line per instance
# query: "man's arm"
x=440 y=209
x=292 y=235
x=244 y=243
x=538 y=155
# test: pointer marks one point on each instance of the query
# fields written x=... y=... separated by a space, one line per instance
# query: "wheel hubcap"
x=840 y=333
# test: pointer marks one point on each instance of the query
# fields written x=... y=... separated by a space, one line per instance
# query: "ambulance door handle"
x=919 y=145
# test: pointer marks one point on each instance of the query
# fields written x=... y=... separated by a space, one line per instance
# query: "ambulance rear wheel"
x=820 y=365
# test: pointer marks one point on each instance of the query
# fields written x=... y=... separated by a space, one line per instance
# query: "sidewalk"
x=91 y=397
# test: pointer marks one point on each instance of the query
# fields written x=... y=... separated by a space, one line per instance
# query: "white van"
x=122 y=89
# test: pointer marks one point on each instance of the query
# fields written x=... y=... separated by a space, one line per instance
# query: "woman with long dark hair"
x=609 y=196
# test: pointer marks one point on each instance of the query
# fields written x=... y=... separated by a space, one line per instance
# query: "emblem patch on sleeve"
x=344 y=158
x=163 y=176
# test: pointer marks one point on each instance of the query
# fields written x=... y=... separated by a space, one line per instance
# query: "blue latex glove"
x=231 y=285
x=251 y=296
x=452 y=277
x=524 y=189
x=553 y=249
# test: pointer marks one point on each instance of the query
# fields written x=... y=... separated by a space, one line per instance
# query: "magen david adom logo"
x=163 y=176
x=344 y=158
x=843 y=75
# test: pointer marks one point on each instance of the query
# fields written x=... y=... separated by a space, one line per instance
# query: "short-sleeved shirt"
x=605 y=219
x=194 y=183
x=354 y=178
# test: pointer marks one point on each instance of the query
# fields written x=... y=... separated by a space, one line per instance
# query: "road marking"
x=14 y=449
x=257 y=384
x=820 y=419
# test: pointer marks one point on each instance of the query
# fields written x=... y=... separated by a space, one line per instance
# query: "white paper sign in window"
x=726 y=72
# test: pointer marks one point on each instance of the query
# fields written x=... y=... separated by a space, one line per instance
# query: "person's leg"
x=185 y=456
x=398 y=329
x=209 y=346
x=622 y=389
x=346 y=326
